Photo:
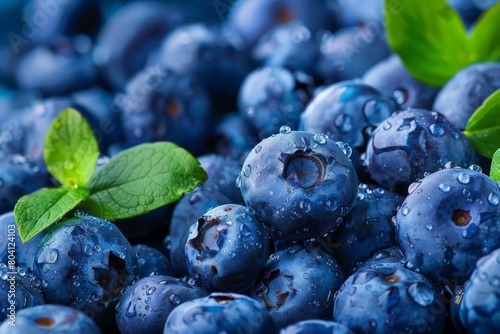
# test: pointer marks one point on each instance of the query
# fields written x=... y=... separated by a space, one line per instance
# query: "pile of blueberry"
x=342 y=194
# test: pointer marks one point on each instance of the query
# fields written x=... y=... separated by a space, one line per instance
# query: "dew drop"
x=428 y=227
x=285 y=129
x=305 y=206
x=463 y=178
x=444 y=187
x=151 y=290
x=130 y=312
x=436 y=129
x=493 y=199
x=52 y=256
x=320 y=138
x=421 y=293
x=175 y=299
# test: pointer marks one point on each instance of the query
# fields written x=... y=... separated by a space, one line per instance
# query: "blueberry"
x=481 y=299
x=388 y=298
x=58 y=67
x=24 y=252
x=151 y=261
x=391 y=77
x=343 y=111
x=348 y=53
x=253 y=18
x=390 y=254
x=18 y=290
x=315 y=327
x=186 y=212
x=19 y=176
x=51 y=319
x=86 y=263
x=298 y=283
x=47 y=20
x=161 y=105
x=145 y=305
x=300 y=184
x=206 y=52
x=367 y=229
x=357 y=12
x=226 y=248
x=222 y=172
x=129 y=36
x=233 y=136
x=466 y=91
x=449 y=221
x=220 y=313
x=290 y=45
x=271 y=97
x=412 y=142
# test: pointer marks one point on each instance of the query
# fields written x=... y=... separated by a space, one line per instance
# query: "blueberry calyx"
x=280 y=296
x=111 y=278
x=45 y=322
x=305 y=167
x=203 y=225
x=461 y=217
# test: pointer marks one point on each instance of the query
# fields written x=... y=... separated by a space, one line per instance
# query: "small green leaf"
x=37 y=211
x=495 y=166
x=429 y=37
x=70 y=149
x=141 y=179
x=483 y=127
x=485 y=34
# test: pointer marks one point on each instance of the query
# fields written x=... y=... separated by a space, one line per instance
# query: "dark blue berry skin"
x=130 y=35
x=105 y=120
x=389 y=298
x=343 y=111
x=481 y=299
x=159 y=105
x=227 y=248
x=271 y=97
x=24 y=252
x=47 y=20
x=251 y=19
x=53 y=319
x=367 y=229
x=145 y=305
x=300 y=184
x=412 y=142
x=58 y=67
x=151 y=261
x=86 y=262
x=18 y=290
x=466 y=91
x=233 y=136
x=290 y=45
x=315 y=327
x=19 y=176
x=186 y=212
x=298 y=283
x=349 y=13
x=206 y=52
x=391 y=77
x=222 y=173
x=390 y=254
x=348 y=53
x=448 y=222
x=219 y=313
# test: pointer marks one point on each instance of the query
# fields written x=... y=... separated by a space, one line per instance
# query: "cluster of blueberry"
x=342 y=194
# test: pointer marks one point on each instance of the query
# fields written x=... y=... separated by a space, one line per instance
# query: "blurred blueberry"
x=391 y=77
x=151 y=261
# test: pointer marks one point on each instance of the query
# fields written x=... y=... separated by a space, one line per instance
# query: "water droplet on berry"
x=493 y=199
x=421 y=293
x=285 y=129
x=150 y=290
x=463 y=178
x=130 y=312
x=436 y=129
x=320 y=138
x=471 y=231
x=175 y=299
x=52 y=256
x=428 y=226
x=444 y=187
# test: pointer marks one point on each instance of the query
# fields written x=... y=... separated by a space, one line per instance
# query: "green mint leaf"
x=37 y=211
x=485 y=34
x=483 y=127
x=495 y=166
x=141 y=179
x=429 y=37
x=70 y=149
